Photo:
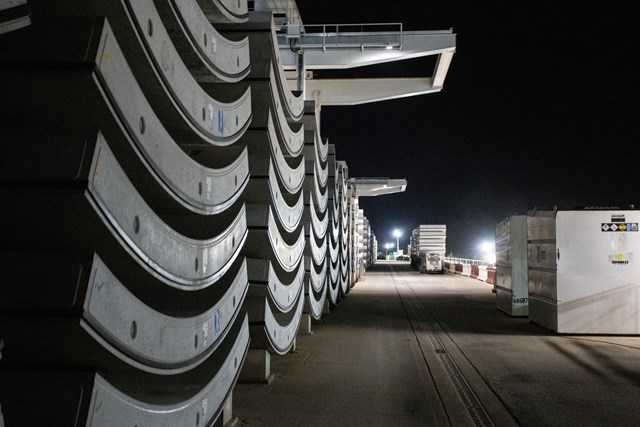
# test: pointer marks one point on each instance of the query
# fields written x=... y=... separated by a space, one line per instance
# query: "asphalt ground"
x=410 y=349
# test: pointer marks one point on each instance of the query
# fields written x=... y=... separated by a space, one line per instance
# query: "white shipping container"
x=597 y=280
x=598 y=277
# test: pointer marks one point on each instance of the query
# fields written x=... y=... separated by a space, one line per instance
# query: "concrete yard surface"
x=410 y=349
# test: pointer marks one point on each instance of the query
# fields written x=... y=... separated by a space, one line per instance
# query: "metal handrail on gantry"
x=345 y=36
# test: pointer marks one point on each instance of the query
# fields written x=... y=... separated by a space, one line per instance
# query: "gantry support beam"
x=305 y=52
x=324 y=53
x=370 y=187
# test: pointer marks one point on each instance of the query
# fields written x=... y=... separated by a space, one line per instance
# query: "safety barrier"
x=483 y=274
x=487 y=274
x=480 y=270
x=491 y=275
x=474 y=271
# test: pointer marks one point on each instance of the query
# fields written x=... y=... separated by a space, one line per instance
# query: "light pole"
x=397 y=233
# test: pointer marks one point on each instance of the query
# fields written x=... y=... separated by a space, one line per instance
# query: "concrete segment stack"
x=316 y=216
x=346 y=216
x=169 y=208
x=334 y=227
x=136 y=282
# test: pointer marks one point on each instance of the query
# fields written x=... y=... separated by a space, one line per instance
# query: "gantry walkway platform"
x=411 y=349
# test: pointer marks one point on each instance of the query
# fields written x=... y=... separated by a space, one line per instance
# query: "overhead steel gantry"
x=369 y=187
x=307 y=48
x=304 y=49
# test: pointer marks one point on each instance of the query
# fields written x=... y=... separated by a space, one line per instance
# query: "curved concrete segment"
x=219 y=123
x=185 y=108
x=105 y=89
x=316 y=248
x=274 y=331
x=332 y=227
x=263 y=143
x=208 y=54
x=334 y=231
x=322 y=173
x=265 y=58
x=225 y=11
x=316 y=284
x=317 y=279
x=111 y=218
x=150 y=238
x=322 y=224
x=265 y=240
x=266 y=191
x=311 y=215
x=313 y=186
x=345 y=241
x=323 y=149
x=315 y=303
x=131 y=330
x=314 y=145
x=268 y=100
x=333 y=287
x=267 y=106
x=198 y=262
x=345 y=282
x=110 y=407
x=14 y=14
x=334 y=247
x=65 y=155
x=102 y=399
x=107 y=324
x=292 y=178
x=334 y=222
x=314 y=151
x=265 y=282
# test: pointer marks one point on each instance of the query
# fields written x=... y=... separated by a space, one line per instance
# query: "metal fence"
x=341 y=36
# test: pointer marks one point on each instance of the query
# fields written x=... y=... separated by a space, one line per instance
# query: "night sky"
x=540 y=108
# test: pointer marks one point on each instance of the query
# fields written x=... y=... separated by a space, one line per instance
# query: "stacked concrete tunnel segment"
x=14 y=14
x=171 y=214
